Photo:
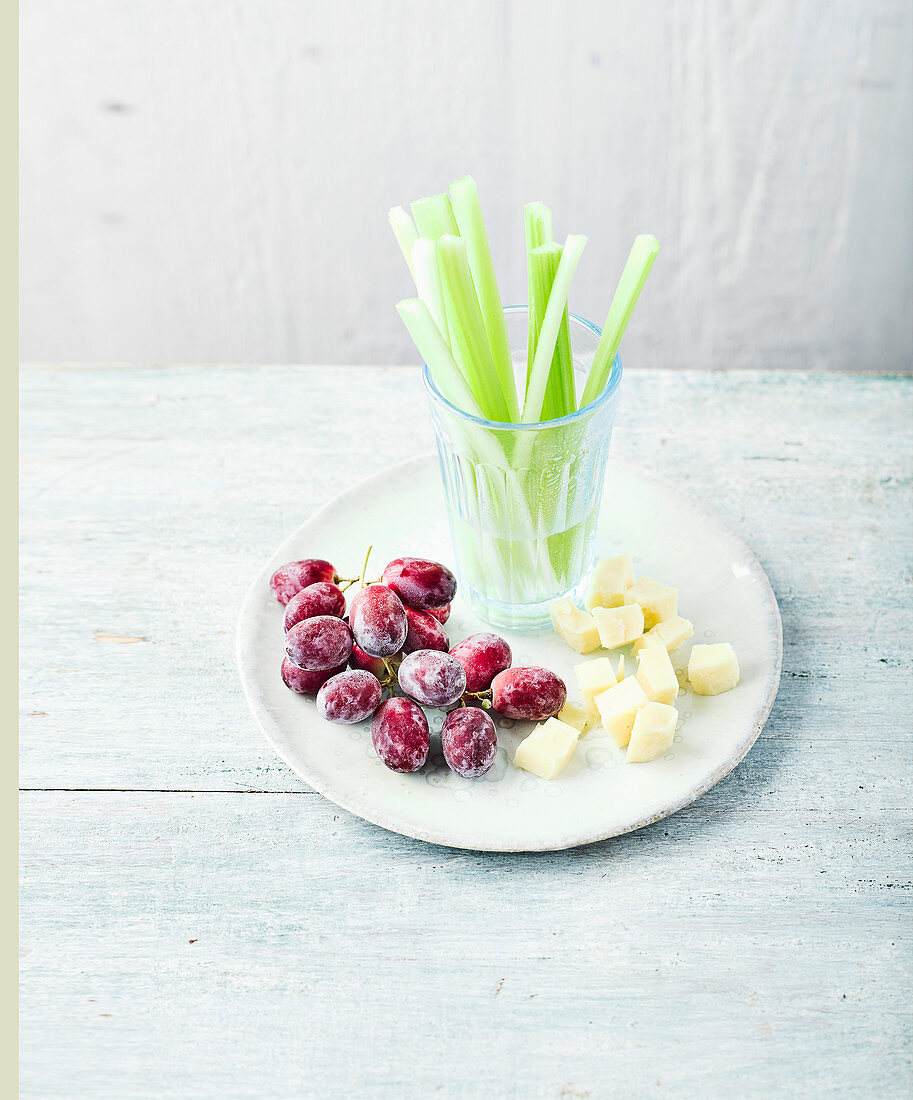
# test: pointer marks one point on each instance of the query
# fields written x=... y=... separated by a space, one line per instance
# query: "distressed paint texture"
x=209 y=181
x=196 y=922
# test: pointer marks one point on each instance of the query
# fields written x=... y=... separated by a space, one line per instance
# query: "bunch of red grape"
x=393 y=637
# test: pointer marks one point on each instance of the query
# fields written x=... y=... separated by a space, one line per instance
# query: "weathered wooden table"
x=197 y=923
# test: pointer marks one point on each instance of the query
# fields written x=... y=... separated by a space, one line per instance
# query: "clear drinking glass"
x=523 y=499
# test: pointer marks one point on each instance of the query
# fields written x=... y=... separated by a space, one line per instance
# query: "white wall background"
x=208 y=180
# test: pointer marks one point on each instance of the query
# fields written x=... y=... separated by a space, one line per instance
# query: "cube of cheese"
x=645 y=641
x=547 y=750
x=671 y=633
x=610 y=579
x=659 y=601
x=617 y=708
x=654 y=729
x=573 y=625
x=713 y=669
x=656 y=675
x=621 y=667
x=572 y=714
x=618 y=625
x=594 y=677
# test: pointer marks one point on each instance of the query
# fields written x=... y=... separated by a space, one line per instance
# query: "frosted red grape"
x=424 y=632
x=399 y=731
x=349 y=697
x=378 y=620
x=320 y=598
x=442 y=614
x=359 y=659
x=470 y=741
x=483 y=656
x=304 y=682
x=290 y=578
x=528 y=693
x=321 y=642
x=431 y=677
x=420 y=583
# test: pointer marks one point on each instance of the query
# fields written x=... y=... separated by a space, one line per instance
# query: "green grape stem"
x=364 y=568
x=483 y=699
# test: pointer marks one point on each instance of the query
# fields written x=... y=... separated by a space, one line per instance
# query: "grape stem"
x=391 y=679
x=483 y=698
x=364 y=568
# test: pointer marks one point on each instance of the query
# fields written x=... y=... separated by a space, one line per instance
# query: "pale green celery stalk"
x=428 y=283
x=537 y=219
x=434 y=217
x=467 y=330
x=559 y=400
x=560 y=396
x=552 y=358
x=548 y=331
x=464 y=201
x=640 y=260
x=427 y=337
x=405 y=234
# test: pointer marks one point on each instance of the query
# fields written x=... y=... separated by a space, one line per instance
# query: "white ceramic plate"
x=723 y=590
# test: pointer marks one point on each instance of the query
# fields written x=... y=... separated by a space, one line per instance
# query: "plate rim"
x=339 y=798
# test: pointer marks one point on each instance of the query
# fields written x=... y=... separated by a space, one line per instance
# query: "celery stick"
x=464 y=200
x=467 y=330
x=433 y=217
x=548 y=332
x=428 y=282
x=560 y=397
x=563 y=366
x=405 y=234
x=543 y=263
x=537 y=219
x=640 y=260
x=427 y=337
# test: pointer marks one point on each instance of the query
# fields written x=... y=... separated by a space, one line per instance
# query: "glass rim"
x=611 y=386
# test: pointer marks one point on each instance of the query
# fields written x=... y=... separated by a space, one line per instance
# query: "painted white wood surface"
x=757 y=944
x=209 y=181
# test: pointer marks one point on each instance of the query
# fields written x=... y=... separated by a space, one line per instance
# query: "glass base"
x=519 y=616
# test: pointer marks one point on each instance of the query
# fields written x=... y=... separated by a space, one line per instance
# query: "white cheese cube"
x=619 y=625
x=656 y=675
x=671 y=633
x=610 y=579
x=659 y=601
x=645 y=641
x=573 y=625
x=621 y=667
x=713 y=669
x=547 y=750
x=594 y=677
x=617 y=708
x=654 y=729
x=572 y=714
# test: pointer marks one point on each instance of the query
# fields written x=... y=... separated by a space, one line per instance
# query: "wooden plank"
x=757 y=943
x=268 y=945
x=151 y=496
